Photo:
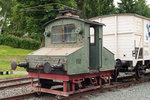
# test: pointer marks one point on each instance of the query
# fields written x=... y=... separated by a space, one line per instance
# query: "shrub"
x=16 y=42
x=17 y=33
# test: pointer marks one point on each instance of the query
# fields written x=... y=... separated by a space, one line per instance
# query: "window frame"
x=93 y=35
x=63 y=42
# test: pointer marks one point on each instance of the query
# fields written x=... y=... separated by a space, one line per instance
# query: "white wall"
x=122 y=34
x=125 y=24
x=109 y=43
x=125 y=46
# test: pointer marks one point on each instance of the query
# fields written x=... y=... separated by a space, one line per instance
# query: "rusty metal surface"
x=55 y=51
x=114 y=86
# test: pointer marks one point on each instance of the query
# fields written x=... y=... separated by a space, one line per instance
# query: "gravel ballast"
x=14 y=91
x=136 y=92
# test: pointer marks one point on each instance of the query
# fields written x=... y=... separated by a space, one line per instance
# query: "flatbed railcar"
x=70 y=56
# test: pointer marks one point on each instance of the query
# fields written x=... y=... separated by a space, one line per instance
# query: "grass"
x=9 y=54
x=12 y=75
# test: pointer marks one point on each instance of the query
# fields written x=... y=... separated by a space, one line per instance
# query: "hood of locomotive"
x=51 y=55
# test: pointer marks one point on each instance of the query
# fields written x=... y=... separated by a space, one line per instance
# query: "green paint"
x=96 y=50
x=88 y=56
x=108 y=60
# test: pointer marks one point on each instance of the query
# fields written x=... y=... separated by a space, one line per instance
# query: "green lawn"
x=9 y=54
x=11 y=75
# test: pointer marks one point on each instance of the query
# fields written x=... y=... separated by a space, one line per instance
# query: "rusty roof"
x=75 y=18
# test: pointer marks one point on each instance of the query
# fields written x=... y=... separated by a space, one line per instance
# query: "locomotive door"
x=94 y=48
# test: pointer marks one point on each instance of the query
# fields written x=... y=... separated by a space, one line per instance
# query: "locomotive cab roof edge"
x=70 y=17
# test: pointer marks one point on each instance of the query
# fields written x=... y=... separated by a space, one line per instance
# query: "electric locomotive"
x=73 y=56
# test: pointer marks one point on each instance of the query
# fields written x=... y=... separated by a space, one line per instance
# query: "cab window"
x=57 y=34
x=92 y=35
x=63 y=33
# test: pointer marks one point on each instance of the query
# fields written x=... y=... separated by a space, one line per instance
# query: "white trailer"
x=127 y=36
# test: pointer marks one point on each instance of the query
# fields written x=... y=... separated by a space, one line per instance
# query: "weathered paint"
x=55 y=51
x=79 y=39
x=96 y=50
x=77 y=60
x=36 y=59
x=107 y=60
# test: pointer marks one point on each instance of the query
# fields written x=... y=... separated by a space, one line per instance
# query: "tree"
x=142 y=8
x=6 y=6
x=108 y=7
x=134 y=6
x=92 y=8
x=32 y=19
x=126 y=6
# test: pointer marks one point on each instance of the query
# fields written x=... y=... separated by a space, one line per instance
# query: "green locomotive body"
x=68 y=48
x=73 y=57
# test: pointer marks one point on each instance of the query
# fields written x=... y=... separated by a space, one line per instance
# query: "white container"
x=125 y=32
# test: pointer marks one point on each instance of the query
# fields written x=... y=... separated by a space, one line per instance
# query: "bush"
x=16 y=42
x=17 y=33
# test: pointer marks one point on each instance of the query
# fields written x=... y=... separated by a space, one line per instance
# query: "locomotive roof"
x=86 y=21
x=55 y=51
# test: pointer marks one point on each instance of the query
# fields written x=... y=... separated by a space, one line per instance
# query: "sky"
x=115 y=2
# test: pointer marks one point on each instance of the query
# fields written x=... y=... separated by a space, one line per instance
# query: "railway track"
x=21 y=81
x=13 y=83
x=13 y=79
x=112 y=87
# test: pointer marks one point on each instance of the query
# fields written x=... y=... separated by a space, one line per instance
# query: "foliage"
x=31 y=21
x=16 y=42
x=17 y=33
x=142 y=8
x=126 y=6
x=28 y=17
x=92 y=8
x=5 y=6
x=134 y=6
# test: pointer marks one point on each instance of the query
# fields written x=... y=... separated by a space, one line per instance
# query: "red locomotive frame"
x=73 y=79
